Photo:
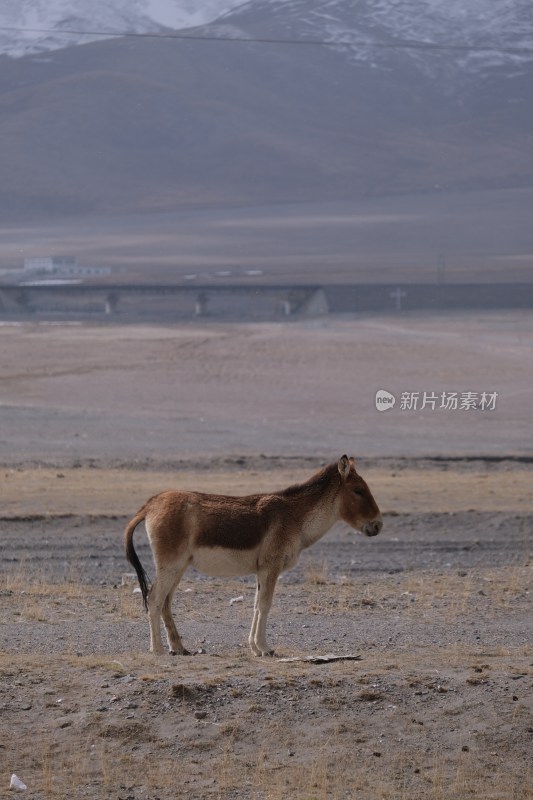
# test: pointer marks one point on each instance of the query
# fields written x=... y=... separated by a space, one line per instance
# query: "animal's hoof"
x=181 y=652
x=172 y=653
x=268 y=654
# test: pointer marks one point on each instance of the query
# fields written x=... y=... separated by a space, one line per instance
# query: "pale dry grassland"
x=401 y=488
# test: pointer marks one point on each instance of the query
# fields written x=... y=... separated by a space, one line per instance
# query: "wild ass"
x=261 y=534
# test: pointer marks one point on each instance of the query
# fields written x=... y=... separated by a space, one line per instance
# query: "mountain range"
x=28 y=27
x=274 y=101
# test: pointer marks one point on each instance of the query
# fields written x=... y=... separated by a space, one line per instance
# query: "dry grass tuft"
x=317 y=573
x=370 y=695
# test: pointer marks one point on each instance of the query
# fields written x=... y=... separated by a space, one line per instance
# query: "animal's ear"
x=344 y=466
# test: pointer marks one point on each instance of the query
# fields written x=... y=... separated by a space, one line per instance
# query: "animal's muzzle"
x=373 y=528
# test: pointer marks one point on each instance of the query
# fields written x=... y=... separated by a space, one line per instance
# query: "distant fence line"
x=255 y=302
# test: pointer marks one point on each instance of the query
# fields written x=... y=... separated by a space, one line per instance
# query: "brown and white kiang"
x=260 y=534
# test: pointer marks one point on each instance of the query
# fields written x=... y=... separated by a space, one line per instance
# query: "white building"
x=49 y=263
x=63 y=265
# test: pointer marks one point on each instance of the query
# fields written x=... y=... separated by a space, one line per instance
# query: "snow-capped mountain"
x=435 y=36
x=375 y=32
x=63 y=21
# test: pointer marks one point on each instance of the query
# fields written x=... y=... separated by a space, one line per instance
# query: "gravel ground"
x=439 y=705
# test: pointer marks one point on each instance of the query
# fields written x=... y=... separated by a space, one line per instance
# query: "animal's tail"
x=132 y=556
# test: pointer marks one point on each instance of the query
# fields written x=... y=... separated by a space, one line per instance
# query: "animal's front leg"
x=255 y=619
x=266 y=583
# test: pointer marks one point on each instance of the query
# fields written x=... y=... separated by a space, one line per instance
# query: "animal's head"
x=357 y=505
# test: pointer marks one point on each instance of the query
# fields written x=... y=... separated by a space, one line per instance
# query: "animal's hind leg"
x=165 y=582
x=154 y=617
x=175 y=645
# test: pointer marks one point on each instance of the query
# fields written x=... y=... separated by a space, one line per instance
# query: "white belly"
x=219 y=561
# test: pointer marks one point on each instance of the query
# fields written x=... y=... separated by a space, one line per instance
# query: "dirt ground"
x=437 y=608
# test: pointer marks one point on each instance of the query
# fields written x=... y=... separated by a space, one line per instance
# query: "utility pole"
x=398 y=295
x=441 y=267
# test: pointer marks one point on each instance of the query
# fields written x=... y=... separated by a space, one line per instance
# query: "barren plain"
x=438 y=607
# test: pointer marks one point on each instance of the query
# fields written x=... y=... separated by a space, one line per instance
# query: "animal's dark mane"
x=320 y=480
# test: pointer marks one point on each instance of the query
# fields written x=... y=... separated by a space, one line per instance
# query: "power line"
x=403 y=44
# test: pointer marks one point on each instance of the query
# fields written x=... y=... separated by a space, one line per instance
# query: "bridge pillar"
x=111 y=303
x=200 y=305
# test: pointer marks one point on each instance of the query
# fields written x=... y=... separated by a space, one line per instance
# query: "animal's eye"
x=358 y=492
